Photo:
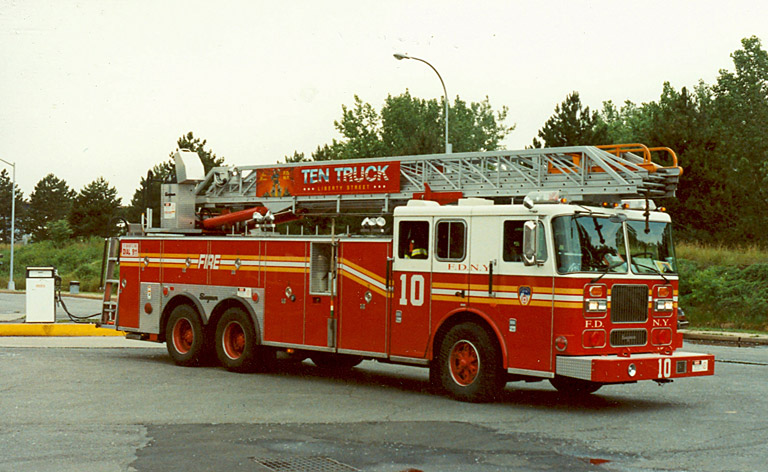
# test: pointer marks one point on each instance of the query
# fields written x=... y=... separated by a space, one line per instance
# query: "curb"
x=56 y=329
x=732 y=338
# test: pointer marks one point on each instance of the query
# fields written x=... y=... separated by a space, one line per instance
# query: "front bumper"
x=617 y=369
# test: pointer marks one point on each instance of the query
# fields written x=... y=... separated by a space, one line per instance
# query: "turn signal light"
x=593 y=338
x=596 y=291
x=661 y=336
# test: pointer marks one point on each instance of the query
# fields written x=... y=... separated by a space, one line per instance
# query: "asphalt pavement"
x=113 y=408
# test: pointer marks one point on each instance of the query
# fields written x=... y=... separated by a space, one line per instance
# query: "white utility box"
x=41 y=296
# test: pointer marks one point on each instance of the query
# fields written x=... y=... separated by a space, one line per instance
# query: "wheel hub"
x=233 y=340
x=183 y=336
x=464 y=362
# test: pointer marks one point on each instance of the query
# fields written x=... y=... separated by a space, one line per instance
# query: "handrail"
x=669 y=151
x=617 y=149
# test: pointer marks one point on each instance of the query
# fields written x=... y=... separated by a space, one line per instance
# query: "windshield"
x=589 y=244
x=650 y=246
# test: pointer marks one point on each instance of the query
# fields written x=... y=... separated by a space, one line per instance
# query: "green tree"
x=629 y=124
x=408 y=126
x=93 y=210
x=718 y=133
x=296 y=157
x=572 y=125
x=148 y=193
x=6 y=195
x=740 y=120
x=59 y=232
x=49 y=202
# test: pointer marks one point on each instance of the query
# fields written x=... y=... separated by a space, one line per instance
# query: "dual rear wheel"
x=234 y=341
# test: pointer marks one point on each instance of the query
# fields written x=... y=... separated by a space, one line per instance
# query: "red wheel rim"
x=183 y=335
x=464 y=363
x=233 y=340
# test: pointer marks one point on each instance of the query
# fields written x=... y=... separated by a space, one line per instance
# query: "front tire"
x=468 y=365
x=237 y=346
x=184 y=336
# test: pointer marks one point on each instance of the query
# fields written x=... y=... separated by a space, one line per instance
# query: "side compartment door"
x=320 y=314
x=131 y=263
x=362 y=316
x=139 y=281
x=285 y=266
x=410 y=317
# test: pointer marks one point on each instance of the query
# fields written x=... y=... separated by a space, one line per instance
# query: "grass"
x=724 y=288
x=706 y=256
x=75 y=260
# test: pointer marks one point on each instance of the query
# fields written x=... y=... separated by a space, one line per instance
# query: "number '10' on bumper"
x=613 y=369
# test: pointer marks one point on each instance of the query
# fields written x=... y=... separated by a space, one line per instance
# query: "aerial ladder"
x=587 y=174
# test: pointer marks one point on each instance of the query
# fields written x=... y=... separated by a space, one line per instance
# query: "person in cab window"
x=416 y=252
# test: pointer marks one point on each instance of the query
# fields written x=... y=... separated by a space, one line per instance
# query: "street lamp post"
x=399 y=57
x=11 y=283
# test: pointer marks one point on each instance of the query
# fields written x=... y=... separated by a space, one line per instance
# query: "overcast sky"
x=105 y=88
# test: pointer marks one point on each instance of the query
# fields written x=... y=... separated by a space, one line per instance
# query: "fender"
x=256 y=316
x=462 y=311
x=220 y=295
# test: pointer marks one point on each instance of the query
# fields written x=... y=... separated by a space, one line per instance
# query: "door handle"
x=460 y=294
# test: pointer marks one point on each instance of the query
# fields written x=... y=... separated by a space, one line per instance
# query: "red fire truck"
x=485 y=267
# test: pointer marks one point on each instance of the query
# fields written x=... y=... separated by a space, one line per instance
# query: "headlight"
x=663 y=305
x=597 y=306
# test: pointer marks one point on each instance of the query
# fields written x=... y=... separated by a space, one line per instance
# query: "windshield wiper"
x=607 y=269
x=666 y=281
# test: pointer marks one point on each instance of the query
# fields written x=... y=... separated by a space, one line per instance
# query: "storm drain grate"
x=304 y=464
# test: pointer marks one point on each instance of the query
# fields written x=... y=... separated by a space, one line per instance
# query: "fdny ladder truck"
x=541 y=264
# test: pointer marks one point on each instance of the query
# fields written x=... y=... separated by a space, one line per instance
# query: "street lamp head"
x=400 y=57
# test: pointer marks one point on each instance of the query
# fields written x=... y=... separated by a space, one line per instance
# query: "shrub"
x=725 y=296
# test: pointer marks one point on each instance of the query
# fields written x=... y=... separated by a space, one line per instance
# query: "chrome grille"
x=629 y=337
x=629 y=303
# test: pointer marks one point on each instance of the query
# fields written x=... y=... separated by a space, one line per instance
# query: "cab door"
x=518 y=298
x=410 y=316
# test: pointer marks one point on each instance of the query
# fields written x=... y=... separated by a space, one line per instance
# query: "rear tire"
x=468 y=364
x=574 y=387
x=237 y=346
x=184 y=336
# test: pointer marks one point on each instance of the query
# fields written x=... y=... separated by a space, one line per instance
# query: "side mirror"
x=530 y=239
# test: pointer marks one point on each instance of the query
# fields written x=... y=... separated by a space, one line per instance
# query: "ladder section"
x=582 y=173
x=109 y=283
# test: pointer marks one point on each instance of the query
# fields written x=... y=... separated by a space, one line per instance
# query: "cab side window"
x=413 y=240
x=451 y=240
x=513 y=241
x=512 y=250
